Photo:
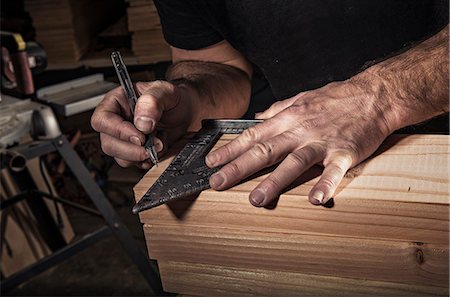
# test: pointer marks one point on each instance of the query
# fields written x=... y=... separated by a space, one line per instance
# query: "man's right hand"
x=163 y=110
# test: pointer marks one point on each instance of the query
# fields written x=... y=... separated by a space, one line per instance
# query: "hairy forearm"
x=413 y=86
x=215 y=90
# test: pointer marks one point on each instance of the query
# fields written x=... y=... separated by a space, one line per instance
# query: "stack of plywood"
x=147 y=41
x=66 y=28
x=387 y=234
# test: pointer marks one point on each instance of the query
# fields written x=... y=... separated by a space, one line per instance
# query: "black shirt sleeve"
x=184 y=27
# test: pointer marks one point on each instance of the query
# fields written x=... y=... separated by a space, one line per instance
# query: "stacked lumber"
x=66 y=28
x=386 y=235
x=147 y=40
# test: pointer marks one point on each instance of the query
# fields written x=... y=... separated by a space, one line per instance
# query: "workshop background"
x=74 y=41
x=54 y=240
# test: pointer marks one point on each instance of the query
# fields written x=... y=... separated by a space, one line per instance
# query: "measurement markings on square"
x=188 y=174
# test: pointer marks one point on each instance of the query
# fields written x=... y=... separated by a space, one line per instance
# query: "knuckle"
x=233 y=169
x=95 y=121
x=341 y=161
x=298 y=159
x=273 y=184
x=328 y=183
x=251 y=134
x=294 y=109
x=106 y=147
x=263 y=151
x=120 y=130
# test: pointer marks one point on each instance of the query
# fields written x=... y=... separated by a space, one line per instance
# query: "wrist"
x=390 y=115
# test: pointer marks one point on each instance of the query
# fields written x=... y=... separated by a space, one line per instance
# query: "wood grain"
x=148 y=42
x=400 y=262
x=66 y=28
x=410 y=168
x=389 y=228
x=214 y=280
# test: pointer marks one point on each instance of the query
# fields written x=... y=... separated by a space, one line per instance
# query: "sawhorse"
x=114 y=225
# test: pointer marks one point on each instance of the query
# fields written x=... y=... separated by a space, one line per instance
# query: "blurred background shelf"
x=82 y=33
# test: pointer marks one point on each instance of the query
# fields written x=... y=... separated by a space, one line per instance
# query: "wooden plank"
x=411 y=168
x=214 y=280
x=389 y=225
x=400 y=262
x=66 y=28
x=353 y=215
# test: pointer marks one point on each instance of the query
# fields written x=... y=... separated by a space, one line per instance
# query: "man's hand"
x=208 y=83
x=338 y=125
x=161 y=106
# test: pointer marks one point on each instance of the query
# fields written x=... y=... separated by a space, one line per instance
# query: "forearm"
x=215 y=90
x=413 y=86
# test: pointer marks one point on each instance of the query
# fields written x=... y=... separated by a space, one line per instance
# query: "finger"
x=107 y=118
x=116 y=101
x=293 y=166
x=157 y=97
x=260 y=156
x=115 y=126
x=332 y=175
x=121 y=149
x=244 y=142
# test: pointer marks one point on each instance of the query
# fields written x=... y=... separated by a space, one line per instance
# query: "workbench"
x=386 y=235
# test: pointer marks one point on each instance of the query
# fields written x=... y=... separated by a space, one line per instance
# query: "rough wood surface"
x=66 y=28
x=399 y=262
x=148 y=42
x=213 y=280
x=389 y=224
x=406 y=168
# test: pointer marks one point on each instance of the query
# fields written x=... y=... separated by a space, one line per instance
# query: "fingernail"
x=257 y=197
x=135 y=140
x=144 y=124
x=317 y=197
x=211 y=160
x=216 y=180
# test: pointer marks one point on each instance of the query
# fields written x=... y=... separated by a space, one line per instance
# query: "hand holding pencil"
x=127 y=85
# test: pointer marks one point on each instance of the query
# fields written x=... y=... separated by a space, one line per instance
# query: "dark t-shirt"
x=303 y=44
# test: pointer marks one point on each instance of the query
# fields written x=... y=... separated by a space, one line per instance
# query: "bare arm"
x=217 y=90
x=204 y=83
x=338 y=125
x=415 y=84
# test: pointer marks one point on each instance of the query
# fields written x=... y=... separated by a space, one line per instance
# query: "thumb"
x=156 y=97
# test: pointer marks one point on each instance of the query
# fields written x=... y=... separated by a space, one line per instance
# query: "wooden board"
x=389 y=224
x=213 y=280
x=148 y=42
x=66 y=28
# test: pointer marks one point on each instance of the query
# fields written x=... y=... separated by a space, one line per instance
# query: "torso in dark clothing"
x=304 y=44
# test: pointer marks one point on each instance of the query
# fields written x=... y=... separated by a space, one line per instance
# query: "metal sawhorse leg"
x=114 y=225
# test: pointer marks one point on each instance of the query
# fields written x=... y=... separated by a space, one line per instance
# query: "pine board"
x=67 y=28
x=380 y=260
x=389 y=224
x=214 y=280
